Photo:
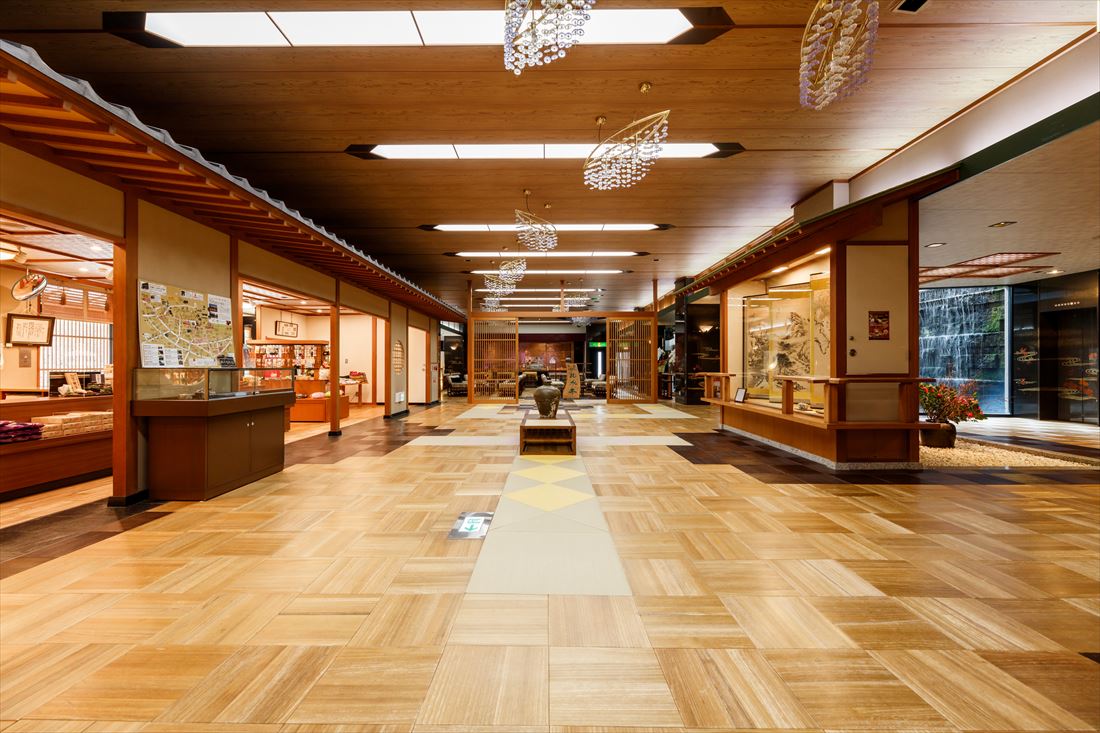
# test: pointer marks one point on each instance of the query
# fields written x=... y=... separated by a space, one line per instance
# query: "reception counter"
x=40 y=465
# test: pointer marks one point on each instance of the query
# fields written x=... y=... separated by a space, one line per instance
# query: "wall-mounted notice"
x=183 y=328
x=878 y=325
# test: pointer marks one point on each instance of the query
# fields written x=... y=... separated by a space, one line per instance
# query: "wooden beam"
x=79 y=143
x=50 y=123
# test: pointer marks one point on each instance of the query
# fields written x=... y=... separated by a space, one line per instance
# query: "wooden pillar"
x=469 y=342
x=374 y=360
x=126 y=357
x=561 y=295
x=653 y=347
x=238 y=300
x=334 y=365
x=386 y=362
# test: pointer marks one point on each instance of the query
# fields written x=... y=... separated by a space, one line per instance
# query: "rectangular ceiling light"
x=554 y=272
x=348 y=28
x=539 y=300
x=552 y=253
x=502 y=152
x=460 y=27
x=215 y=29
x=559 y=227
x=695 y=26
x=521 y=151
x=543 y=290
x=634 y=25
x=416 y=152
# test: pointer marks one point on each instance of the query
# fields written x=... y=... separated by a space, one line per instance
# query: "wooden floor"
x=764 y=594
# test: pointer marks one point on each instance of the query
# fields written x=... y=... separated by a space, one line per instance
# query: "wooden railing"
x=722 y=385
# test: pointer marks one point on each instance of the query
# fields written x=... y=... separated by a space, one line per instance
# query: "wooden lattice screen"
x=494 y=360
x=630 y=360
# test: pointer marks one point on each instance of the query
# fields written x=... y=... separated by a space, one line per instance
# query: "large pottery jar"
x=547 y=399
x=941 y=436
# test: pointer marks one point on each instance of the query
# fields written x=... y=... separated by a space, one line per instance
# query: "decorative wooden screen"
x=495 y=359
x=630 y=360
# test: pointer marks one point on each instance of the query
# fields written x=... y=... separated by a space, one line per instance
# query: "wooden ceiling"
x=283 y=117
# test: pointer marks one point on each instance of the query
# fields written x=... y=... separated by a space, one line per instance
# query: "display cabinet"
x=211 y=430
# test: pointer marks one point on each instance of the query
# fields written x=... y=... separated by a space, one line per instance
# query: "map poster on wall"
x=183 y=328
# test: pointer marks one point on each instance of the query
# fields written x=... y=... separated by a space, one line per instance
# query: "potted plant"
x=946 y=406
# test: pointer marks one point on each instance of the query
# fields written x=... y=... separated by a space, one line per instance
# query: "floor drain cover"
x=470 y=526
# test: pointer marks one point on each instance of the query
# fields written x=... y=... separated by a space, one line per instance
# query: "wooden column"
x=469 y=342
x=334 y=365
x=238 y=301
x=561 y=295
x=386 y=365
x=126 y=356
x=374 y=360
x=654 y=378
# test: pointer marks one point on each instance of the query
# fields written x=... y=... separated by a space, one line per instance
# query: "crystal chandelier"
x=624 y=158
x=532 y=232
x=512 y=270
x=491 y=305
x=498 y=286
x=836 y=50
x=575 y=301
x=583 y=321
x=536 y=37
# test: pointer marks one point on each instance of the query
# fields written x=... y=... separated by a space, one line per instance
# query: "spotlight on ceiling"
x=933 y=245
x=1002 y=224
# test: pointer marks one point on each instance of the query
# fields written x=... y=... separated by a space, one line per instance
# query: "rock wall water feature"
x=962 y=339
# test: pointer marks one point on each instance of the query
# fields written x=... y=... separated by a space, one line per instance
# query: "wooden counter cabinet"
x=199 y=449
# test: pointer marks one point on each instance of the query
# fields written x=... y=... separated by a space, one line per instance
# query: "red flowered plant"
x=942 y=403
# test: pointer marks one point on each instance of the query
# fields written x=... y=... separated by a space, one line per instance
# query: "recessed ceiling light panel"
x=347 y=28
x=215 y=29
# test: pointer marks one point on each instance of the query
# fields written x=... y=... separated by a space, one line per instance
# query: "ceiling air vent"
x=909 y=6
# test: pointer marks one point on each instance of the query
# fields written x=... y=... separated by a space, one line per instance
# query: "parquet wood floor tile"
x=851 y=690
x=974 y=694
x=599 y=621
x=758 y=592
x=495 y=620
x=610 y=687
x=489 y=685
x=375 y=685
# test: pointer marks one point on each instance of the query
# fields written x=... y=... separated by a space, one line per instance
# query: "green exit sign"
x=598 y=344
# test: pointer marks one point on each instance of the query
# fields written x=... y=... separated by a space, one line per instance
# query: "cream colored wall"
x=31 y=183
x=268 y=267
x=418 y=365
x=435 y=361
x=355 y=345
x=362 y=300
x=419 y=320
x=399 y=319
x=878 y=280
x=177 y=251
x=11 y=374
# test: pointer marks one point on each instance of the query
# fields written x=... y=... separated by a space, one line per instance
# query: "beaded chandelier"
x=512 y=270
x=491 y=305
x=498 y=286
x=583 y=321
x=625 y=158
x=534 y=233
x=533 y=37
x=836 y=50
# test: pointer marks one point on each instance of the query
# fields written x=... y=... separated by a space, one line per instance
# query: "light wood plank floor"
x=765 y=594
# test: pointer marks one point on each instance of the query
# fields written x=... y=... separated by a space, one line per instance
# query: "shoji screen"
x=495 y=351
x=630 y=363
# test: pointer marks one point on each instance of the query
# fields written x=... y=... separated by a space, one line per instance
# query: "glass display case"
x=787 y=334
x=209 y=384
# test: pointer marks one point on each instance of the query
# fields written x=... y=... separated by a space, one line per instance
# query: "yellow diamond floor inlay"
x=550 y=539
x=549 y=497
x=548 y=474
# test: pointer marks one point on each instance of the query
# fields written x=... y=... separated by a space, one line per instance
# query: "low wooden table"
x=539 y=436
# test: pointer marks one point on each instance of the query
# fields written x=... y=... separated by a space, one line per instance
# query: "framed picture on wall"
x=26 y=330
x=878 y=325
x=286 y=329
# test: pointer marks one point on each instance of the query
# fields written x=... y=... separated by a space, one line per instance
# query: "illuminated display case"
x=209 y=384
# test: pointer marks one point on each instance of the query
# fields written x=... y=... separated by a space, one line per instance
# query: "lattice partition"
x=494 y=360
x=630 y=360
